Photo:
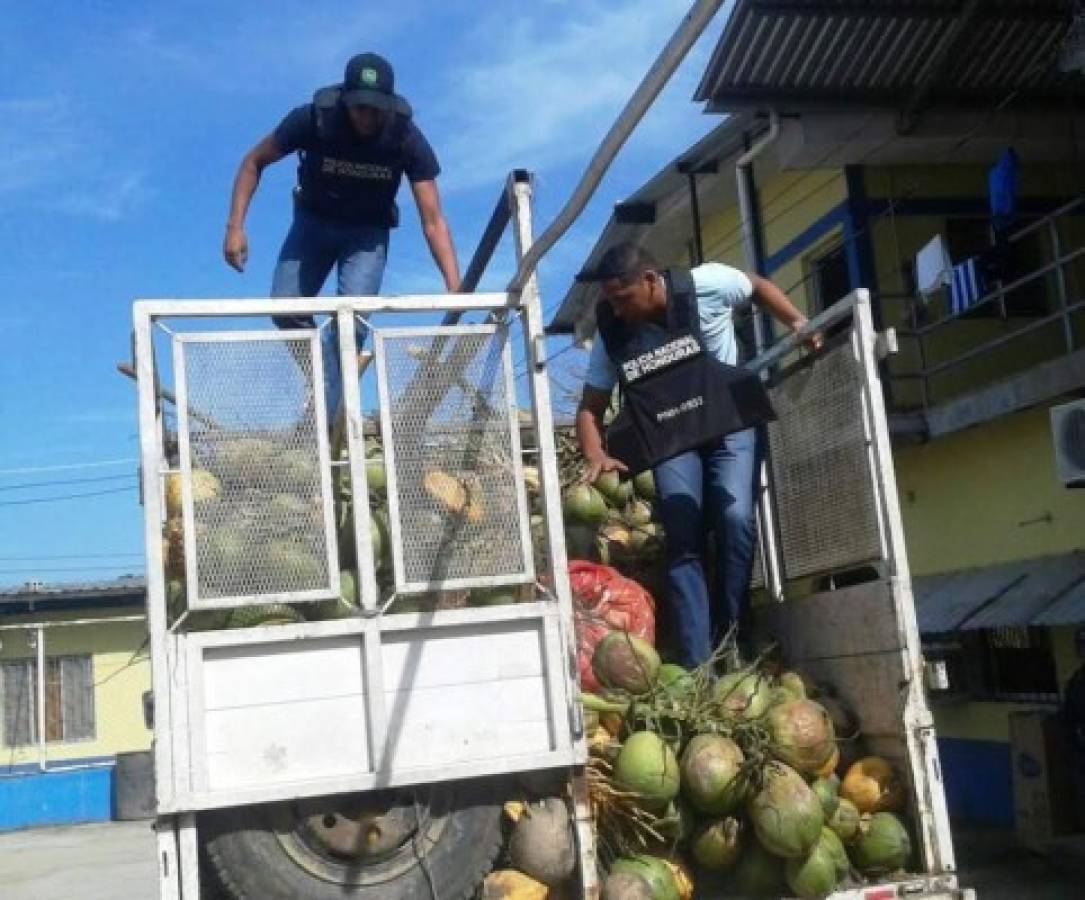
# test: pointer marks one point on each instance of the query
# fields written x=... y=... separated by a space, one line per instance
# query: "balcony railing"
x=936 y=376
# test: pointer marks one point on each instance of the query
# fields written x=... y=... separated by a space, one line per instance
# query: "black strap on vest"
x=682 y=317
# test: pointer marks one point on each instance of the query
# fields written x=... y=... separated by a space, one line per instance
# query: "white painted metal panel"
x=459 y=695
x=283 y=712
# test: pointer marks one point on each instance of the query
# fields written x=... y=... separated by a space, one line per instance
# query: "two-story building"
x=933 y=153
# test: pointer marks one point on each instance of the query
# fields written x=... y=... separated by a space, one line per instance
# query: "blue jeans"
x=722 y=478
x=312 y=246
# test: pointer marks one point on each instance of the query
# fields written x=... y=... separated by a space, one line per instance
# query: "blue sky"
x=123 y=126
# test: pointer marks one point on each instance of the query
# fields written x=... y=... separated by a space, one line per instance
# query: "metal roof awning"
x=1047 y=590
x=902 y=54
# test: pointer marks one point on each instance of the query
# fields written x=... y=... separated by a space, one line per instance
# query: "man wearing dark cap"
x=355 y=142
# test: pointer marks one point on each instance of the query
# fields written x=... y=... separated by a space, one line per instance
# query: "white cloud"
x=36 y=143
x=109 y=199
x=544 y=94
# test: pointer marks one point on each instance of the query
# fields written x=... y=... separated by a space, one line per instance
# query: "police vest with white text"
x=677 y=396
x=347 y=178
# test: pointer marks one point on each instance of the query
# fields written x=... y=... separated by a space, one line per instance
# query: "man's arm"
x=768 y=295
x=589 y=433
x=438 y=235
x=235 y=248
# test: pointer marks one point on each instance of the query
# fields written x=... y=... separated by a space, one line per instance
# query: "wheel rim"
x=360 y=839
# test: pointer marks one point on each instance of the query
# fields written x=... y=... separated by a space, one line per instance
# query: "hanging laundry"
x=933 y=268
x=1002 y=184
x=967 y=286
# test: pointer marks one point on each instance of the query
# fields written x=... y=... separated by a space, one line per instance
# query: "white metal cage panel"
x=259 y=515
x=826 y=522
x=457 y=503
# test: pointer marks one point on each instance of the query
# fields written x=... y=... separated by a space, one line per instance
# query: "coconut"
x=844 y=821
x=296 y=467
x=647 y=766
x=835 y=847
x=674 y=680
x=786 y=813
x=881 y=846
x=637 y=513
x=712 y=777
x=645 y=486
x=583 y=503
x=654 y=871
x=625 y=662
x=814 y=875
x=682 y=880
x=205 y=487
x=793 y=683
x=831 y=764
x=626 y=885
x=376 y=476
x=348 y=587
x=759 y=873
x=290 y=564
x=508 y=884
x=742 y=695
x=717 y=845
x=614 y=489
x=828 y=791
x=541 y=844
x=801 y=735
x=873 y=786
x=265 y=614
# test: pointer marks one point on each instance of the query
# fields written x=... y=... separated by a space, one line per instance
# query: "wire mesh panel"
x=826 y=522
x=455 y=479
x=258 y=509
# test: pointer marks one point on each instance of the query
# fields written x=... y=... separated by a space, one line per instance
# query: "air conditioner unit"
x=1068 y=431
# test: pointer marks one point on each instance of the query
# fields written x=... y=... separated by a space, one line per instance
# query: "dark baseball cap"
x=370 y=81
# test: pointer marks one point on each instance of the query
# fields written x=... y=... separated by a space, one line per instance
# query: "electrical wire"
x=64 y=481
x=53 y=556
x=31 y=500
x=65 y=467
x=32 y=569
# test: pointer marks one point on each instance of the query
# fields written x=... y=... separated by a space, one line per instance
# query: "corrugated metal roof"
x=1047 y=590
x=794 y=54
x=125 y=585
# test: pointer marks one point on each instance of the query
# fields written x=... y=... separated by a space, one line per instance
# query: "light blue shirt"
x=720 y=289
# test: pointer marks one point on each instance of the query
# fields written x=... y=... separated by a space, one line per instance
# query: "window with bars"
x=69 y=701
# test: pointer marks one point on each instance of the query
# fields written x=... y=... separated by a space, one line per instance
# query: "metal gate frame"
x=175 y=655
x=932 y=815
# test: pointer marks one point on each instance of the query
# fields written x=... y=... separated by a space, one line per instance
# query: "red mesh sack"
x=604 y=600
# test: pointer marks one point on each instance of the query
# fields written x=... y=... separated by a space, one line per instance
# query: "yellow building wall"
x=965 y=496
x=121 y=670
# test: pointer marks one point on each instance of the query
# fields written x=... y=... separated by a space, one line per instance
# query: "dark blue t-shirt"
x=348 y=177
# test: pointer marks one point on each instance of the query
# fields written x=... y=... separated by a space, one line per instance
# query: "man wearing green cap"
x=355 y=141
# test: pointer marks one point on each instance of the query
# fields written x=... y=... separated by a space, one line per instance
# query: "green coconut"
x=583 y=503
x=794 y=683
x=742 y=695
x=637 y=513
x=759 y=873
x=290 y=506
x=645 y=485
x=674 y=680
x=348 y=587
x=786 y=814
x=542 y=845
x=296 y=467
x=627 y=886
x=836 y=848
x=265 y=614
x=615 y=489
x=293 y=564
x=648 y=767
x=712 y=777
x=376 y=475
x=653 y=871
x=844 y=822
x=224 y=548
x=801 y=735
x=580 y=541
x=881 y=845
x=828 y=791
x=625 y=662
x=717 y=845
x=813 y=875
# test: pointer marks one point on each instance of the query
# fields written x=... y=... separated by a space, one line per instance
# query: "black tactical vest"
x=678 y=396
x=347 y=178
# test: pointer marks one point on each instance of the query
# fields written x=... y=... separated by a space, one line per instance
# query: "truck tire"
x=270 y=852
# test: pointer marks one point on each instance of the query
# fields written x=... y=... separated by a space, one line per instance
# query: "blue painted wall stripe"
x=802 y=242
x=56 y=798
x=978 y=778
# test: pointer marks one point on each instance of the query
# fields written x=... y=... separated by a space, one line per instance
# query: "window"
x=69 y=701
x=831 y=279
x=1017 y=663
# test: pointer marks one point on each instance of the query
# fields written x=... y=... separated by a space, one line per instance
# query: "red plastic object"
x=604 y=600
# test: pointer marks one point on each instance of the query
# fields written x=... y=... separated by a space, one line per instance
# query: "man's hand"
x=235 y=249
x=813 y=341
x=597 y=465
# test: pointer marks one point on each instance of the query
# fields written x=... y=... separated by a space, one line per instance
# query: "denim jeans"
x=312 y=246
x=712 y=487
